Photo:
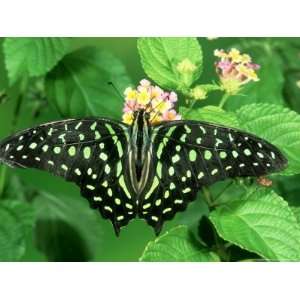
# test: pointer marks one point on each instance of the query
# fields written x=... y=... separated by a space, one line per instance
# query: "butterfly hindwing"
x=89 y=152
x=189 y=154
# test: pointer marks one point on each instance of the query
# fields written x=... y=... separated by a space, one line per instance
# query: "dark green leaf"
x=78 y=86
x=17 y=220
x=67 y=228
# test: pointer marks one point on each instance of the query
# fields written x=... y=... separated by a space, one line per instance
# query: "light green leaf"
x=67 y=228
x=177 y=245
x=32 y=56
x=78 y=86
x=17 y=218
x=160 y=58
x=211 y=114
x=296 y=211
x=260 y=222
x=278 y=125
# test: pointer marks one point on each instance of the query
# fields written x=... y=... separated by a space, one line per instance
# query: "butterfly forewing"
x=90 y=152
x=187 y=155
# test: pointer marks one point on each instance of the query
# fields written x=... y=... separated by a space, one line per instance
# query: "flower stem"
x=223 y=100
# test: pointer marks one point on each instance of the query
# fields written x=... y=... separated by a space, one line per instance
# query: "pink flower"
x=153 y=99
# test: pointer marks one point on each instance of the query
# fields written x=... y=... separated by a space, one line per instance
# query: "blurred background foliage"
x=44 y=218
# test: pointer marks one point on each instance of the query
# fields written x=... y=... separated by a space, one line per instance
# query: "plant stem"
x=223 y=100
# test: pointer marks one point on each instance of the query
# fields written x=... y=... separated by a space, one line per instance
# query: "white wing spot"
x=235 y=154
x=186 y=190
x=107 y=169
x=77 y=171
x=57 y=150
x=108 y=208
x=171 y=171
x=214 y=171
x=20 y=148
x=166 y=210
x=109 y=192
x=178 y=201
x=90 y=187
x=33 y=145
x=200 y=175
x=78 y=125
x=145 y=206
x=97 y=198
x=64 y=167
x=45 y=148
x=247 y=152
x=103 y=156
x=260 y=155
x=118 y=201
x=158 y=202
x=175 y=158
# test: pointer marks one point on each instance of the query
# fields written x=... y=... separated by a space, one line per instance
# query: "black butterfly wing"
x=187 y=155
x=89 y=152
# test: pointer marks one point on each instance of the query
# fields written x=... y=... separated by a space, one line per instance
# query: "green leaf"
x=67 y=228
x=17 y=218
x=211 y=114
x=78 y=86
x=32 y=56
x=177 y=245
x=296 y=211
x=260 y=222
x=278 y=125
x=269 y=88
x=160 y=58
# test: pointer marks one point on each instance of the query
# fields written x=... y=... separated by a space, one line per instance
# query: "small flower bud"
x=186 y=66
x=198 y=93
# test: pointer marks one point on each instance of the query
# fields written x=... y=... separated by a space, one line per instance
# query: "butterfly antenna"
x=116 y=89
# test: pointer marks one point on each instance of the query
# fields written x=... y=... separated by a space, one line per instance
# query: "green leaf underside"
x=160 y=56
x=78 y=86
x=278 y=125
x=261 y=222
x=211 y=114
x=177 y=245
x=32 y=56
x=16 y=220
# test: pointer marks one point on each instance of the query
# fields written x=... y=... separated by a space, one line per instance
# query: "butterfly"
x=140 y=170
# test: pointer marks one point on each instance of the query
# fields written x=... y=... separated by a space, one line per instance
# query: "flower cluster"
x=235 y=69
x=153 y=99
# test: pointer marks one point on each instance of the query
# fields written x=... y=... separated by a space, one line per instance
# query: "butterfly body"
x=140 y=170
